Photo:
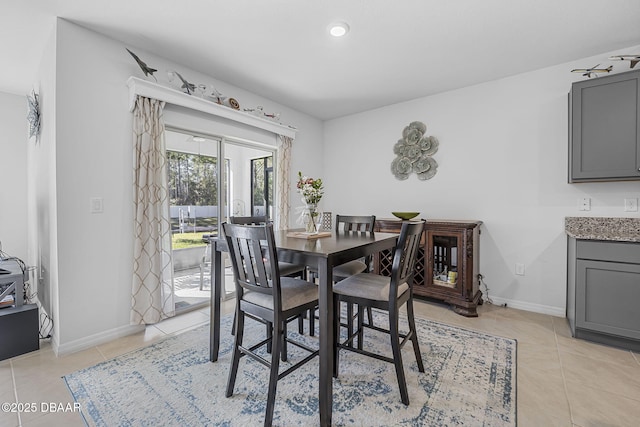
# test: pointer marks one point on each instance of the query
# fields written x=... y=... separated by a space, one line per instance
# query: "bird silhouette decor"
x=593 y=71
x=188 y=87
x=143 y=66
x=633 y=59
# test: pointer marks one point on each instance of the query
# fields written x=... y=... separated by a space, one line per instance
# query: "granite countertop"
x=619 y=229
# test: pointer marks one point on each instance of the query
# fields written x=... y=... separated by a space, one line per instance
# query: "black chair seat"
x=349 y=269
x=368 y=286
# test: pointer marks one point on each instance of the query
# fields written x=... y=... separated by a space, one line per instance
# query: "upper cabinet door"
x=604 y=142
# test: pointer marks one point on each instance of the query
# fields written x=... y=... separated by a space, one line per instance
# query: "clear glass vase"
x=311 y=218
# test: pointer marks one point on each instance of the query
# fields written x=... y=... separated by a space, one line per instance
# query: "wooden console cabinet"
x=447 y=246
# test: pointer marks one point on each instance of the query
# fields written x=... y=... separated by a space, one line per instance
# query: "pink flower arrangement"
x=310 y=188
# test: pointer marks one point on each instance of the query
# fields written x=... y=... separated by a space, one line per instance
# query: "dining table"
x=324 y=253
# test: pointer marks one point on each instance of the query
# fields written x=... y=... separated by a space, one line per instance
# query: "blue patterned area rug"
x=469 y=379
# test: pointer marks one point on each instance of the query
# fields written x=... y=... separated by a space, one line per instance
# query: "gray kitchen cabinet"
x=603 y=292
x=604 y=131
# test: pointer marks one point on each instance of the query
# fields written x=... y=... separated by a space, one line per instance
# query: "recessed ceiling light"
x=338 y=29
x=198 y=139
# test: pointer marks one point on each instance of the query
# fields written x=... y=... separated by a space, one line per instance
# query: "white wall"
x=13 y=174
x=41 y=187
x=502 y=159
x=93 y=158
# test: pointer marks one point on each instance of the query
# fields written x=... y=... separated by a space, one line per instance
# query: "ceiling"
x=281 y=50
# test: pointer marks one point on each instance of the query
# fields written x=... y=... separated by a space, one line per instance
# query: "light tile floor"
x=561 y=381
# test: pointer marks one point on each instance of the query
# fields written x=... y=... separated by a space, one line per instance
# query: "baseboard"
x=93 y=340
x=527 y=306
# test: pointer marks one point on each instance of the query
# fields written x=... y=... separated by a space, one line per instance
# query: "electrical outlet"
x=631 y=205
x=519 y=269
x=584 y=204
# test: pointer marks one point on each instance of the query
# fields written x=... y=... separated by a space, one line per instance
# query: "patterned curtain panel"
x=282 y=181
x=152 y=287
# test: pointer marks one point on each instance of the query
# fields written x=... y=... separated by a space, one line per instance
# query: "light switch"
x=631 y=205
x=96 y=205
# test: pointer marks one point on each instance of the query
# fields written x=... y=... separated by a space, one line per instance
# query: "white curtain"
x=152 y=286
x=282 y=181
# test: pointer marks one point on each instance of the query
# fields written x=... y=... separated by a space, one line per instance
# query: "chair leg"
x=349 y=322
x=336 y=338
x=284 y=341
x=233 y=325
x=414 y=337
x=235 y=357
x=361 y=326
x=270 y=336
x=312 y=322
x=397 y=356
x=277 y=340
x=370 y=316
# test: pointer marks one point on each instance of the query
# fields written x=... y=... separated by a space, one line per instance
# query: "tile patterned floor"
x=561 y=381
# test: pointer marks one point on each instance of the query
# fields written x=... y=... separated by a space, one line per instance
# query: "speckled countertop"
x=620 y=229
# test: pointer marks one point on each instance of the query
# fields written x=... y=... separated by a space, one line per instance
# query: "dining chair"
x=351 y=224
x=388 y=294
x=286 y=269
x=263 y=293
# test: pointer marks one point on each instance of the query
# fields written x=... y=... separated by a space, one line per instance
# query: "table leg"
x=217 y=278
x=325 y=308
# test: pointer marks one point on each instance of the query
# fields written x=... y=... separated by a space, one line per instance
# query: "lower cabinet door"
x=608 y=297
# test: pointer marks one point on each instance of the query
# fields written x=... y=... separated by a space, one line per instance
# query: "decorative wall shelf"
x=171 y=96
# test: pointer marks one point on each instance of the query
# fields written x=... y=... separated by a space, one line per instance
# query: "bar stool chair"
x=388 y=294
x=286 y=269
x=262 y=293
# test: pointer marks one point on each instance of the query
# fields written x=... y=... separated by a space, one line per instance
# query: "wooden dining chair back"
x=355 y=223
x=286 y=269
x=264 y=294
x=206 y=257
x=351 y=223
x=389 y=294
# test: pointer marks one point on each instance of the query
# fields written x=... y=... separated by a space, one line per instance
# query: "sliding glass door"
x=203 y=194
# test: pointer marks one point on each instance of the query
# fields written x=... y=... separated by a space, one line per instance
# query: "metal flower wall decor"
x=414 y=153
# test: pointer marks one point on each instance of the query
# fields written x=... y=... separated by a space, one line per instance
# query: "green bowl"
x=405 y=215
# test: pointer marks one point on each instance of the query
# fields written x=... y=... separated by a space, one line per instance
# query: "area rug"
x=469 y=380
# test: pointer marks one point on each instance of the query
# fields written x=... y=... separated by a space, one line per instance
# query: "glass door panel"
x=251 y=179
x=193 y=208
x=203 y=194
x=445 y=260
